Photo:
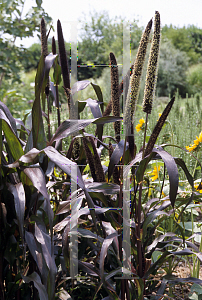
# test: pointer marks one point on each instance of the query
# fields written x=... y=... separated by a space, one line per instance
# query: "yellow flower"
x=200 y=137
x=155 y=173
x=159 y=116
x=198 y=189
x=177 y=217
x=163 y=194
x=139 y=126
x=195 y=144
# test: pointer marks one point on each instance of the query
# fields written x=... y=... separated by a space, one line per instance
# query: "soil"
x=180 y=291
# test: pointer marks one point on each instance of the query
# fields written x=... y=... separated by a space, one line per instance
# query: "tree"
x=188 y=40
x=101 y=36
x=12 y=26
x=173 y=65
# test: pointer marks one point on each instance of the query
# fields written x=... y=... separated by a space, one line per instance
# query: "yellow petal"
x=142 y=121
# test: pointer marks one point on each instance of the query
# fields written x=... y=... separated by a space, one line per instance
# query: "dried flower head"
x=151 y=76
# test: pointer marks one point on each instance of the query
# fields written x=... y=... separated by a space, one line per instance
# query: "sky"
x=176 y=12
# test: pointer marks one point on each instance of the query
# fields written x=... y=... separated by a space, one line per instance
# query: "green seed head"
x=151 y=76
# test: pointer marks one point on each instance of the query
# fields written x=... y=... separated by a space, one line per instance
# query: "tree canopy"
x=13 y=25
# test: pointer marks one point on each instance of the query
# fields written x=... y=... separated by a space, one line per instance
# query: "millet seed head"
x=151 y=76
x=136 y=76
x=115 y=93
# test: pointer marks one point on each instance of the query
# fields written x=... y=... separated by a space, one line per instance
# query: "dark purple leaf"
x=158 y=240
x=151 y=217
x=70 y=127
x=34 y=249
x=37 y=177
x=12 y=121
x=94 y=106
x=173 y=278
x=59 y=226
x=38 y=285
x=181 y=163
x=47 y=250
x=19 y=200
x=116 y=156
x=107 y=242
x=105 y=188
x=88 y=268
x=172 y=172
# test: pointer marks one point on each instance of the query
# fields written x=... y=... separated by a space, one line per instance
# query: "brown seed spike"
x=136 y=76
x=63 y=56
x=53 y=46
x=115 y=93
x=158 y=128
x=151 y=76
x=44 y=47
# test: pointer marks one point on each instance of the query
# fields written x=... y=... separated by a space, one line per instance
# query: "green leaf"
x=151 y=217
x=39 y=2
x=39 y=138
x=12 y=141
x=57 y=72
x=12 y=121
x=98 y=92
